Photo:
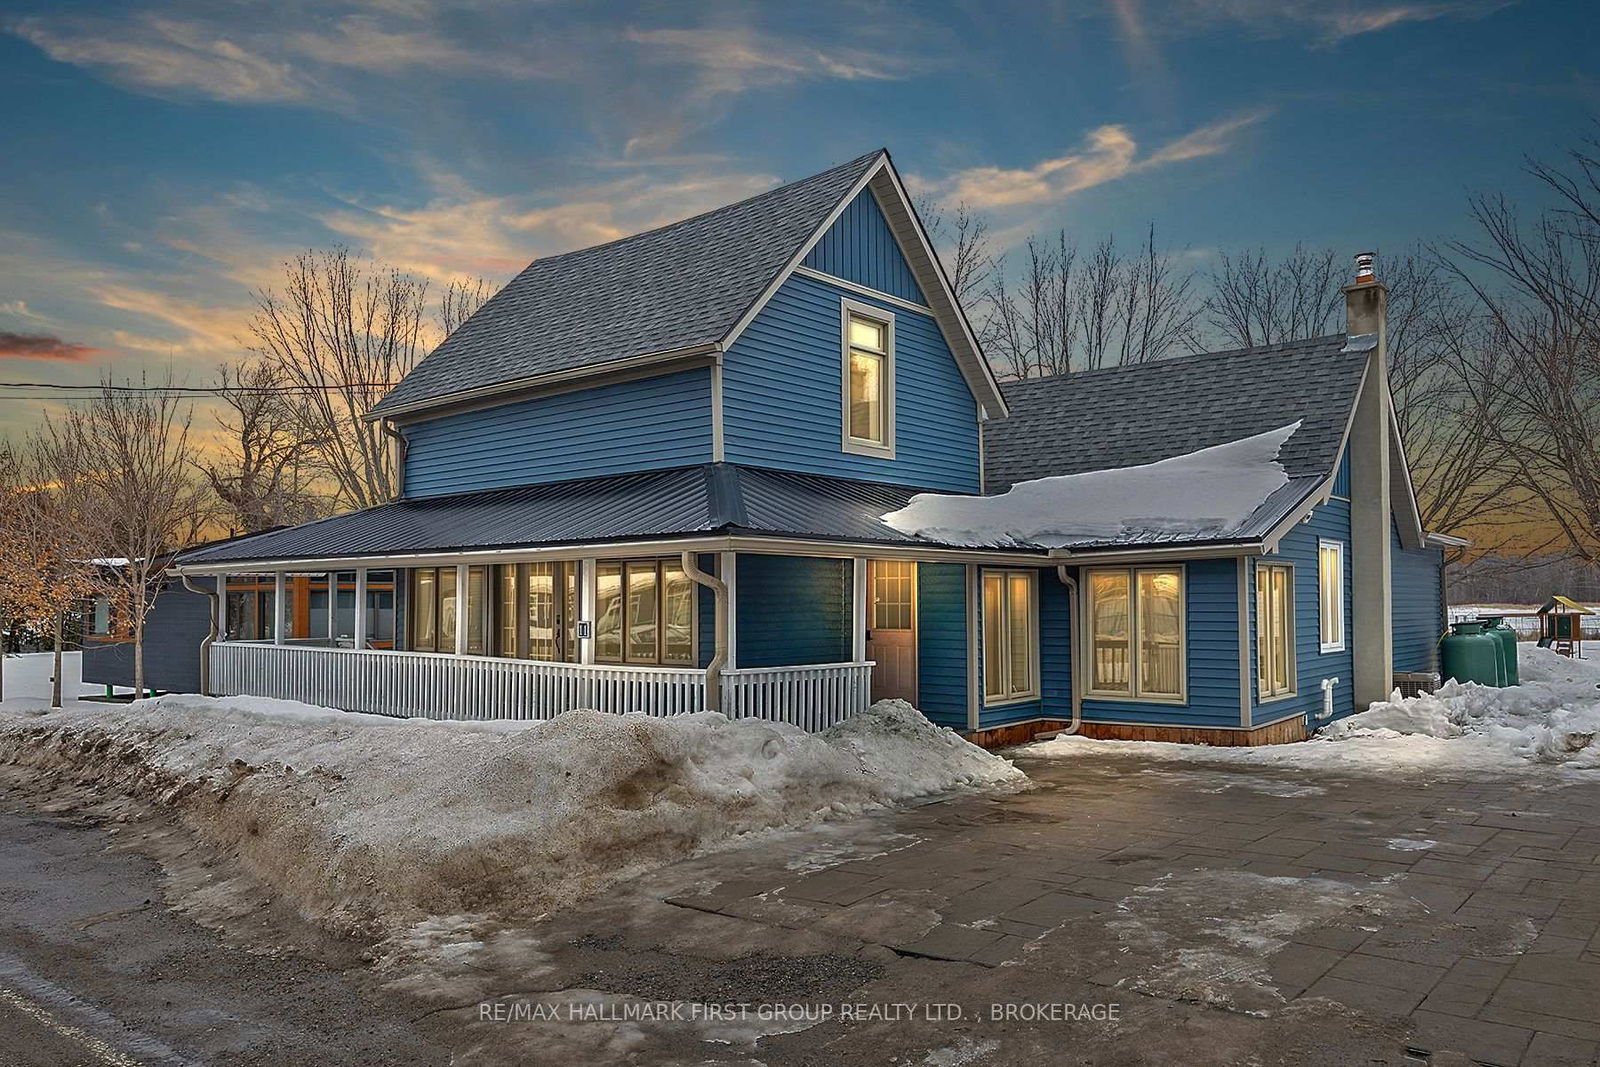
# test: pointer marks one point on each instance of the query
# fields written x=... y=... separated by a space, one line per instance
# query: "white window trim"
x=993 y=700
x=856 y=445
x=1134 y=695
x=1338 y=600
x=1293 y=658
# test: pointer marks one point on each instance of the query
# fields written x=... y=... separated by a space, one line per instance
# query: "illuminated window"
x=645 y=612
x=1010 y=666
x=1274 y=630
x=1136 y=633
x=869 y=379
x=1330 y=594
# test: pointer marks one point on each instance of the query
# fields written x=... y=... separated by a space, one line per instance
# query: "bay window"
x=1010 y=636
x=1275 y=673
x=1136 y=633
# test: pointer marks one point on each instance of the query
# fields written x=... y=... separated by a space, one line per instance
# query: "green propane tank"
x=1495 y=626
x=1467 y=654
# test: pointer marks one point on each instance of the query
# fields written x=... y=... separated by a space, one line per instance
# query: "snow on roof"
x=1205 y=495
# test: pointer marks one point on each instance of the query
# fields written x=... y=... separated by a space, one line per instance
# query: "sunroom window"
x=645 y=612
x=869 y=378
x=1274 y=630
x=1136 y=633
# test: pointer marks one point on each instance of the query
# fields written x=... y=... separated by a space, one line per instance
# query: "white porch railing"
x=475 y=687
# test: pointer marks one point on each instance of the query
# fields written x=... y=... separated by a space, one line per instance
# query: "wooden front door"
x=892 y=628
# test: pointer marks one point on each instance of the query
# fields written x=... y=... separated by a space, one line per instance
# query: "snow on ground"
x=1209 y=493
x=28 y=676
x=1552 y=718
x=370 y=825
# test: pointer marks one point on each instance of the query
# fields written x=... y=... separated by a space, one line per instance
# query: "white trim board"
x=864 y=290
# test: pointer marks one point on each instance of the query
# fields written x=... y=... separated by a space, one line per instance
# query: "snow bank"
x=368 y=825
x=1552 y=717
x=1205 y=494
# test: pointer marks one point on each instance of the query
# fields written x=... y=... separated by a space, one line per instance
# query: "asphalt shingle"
x=1125 y=416
x=667 y=289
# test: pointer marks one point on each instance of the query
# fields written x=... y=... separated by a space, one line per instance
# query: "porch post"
x=359 y=632
x=728 y=570
x=586 y=607
x=279 y=616
x=858 y=610
x=461 y=609
x=974 y=635
x=333 y=608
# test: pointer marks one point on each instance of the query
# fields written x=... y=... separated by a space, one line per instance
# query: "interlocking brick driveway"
x=1234 y=914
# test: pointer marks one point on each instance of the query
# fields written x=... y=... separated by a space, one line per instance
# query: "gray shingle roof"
x=1124 y=416
x=676 y=287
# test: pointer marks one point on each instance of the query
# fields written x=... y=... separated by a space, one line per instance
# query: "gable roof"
x=1129 y=415
x=684 y=289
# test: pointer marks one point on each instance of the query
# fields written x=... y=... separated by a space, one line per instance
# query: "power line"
x=188 y=390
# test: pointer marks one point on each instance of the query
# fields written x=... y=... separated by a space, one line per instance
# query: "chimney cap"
x=1364 y=271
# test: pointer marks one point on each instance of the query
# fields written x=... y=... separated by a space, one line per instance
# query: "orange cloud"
x=42 y=346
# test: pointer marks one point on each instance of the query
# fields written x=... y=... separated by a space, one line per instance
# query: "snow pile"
x=368 y=825
x=1552 y=717
x=1206 y=494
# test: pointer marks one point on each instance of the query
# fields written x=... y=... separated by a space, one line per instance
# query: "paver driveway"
x=1183 y=913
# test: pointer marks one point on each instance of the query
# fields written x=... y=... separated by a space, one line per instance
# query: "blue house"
x=652 y=476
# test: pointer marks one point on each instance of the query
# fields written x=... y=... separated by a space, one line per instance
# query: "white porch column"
x=333 y=608
x=279 y=616
x=359 y=632
x=728 y=571
x=858 y=610
x=461 y=609
x=586 y=609
x=974 y=635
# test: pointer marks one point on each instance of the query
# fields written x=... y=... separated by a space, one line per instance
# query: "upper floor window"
x=1136 y=633
x=1330 y=594
x=868 y=379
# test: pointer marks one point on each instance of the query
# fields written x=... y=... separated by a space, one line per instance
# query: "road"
x=96 y=970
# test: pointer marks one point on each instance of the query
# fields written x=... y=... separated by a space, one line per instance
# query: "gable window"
x=645 y=612
x=1010 y=636
x=1136 y=633
x=868 y=379
x=1330 y=594
x=1274 y=630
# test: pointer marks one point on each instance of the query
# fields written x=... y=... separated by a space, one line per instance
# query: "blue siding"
x=647 y=424
x=793 y=609
x=1331 y=521
x=1055 y=664
x=1211 y=590
x=1341 y=476
x=782 y=391
x=1414 y=579
x=942 y=643
x=861 y=248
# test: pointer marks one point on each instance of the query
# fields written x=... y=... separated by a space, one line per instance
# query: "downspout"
x=211 y=635
x=719 y=596
x=1072 y=648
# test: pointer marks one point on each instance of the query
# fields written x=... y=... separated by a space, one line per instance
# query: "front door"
x=891 y=628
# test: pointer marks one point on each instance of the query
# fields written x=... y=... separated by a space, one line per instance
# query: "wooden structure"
x=1561 y=625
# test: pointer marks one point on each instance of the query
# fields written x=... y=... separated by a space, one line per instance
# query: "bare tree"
x=124 y=467
x=341 y=334
x=460 y=299
x=966 y=254
x=1537 y=287
x=1258 y=301
x=263 y=475
x=1071 y=312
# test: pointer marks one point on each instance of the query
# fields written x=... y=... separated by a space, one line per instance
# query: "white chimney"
x=1372 y=610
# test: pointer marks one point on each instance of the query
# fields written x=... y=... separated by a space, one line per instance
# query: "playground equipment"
x=1561 y=625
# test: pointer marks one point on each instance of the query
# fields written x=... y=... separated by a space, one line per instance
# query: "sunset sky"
x=164 y=157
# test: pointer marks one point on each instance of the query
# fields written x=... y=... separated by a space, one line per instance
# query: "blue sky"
x=165 y=157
